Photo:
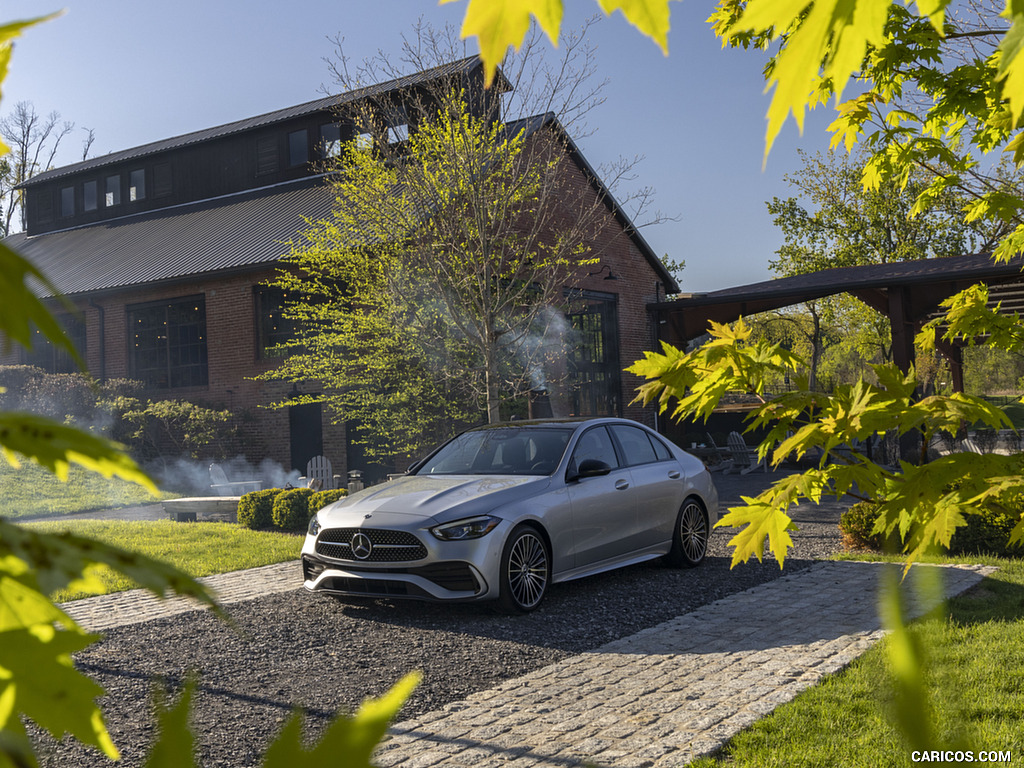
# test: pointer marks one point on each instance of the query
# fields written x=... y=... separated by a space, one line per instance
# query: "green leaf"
x=39 y=681
x=352 y=738
x=498 y=24
x=762 y=520
x=56 y=446
x=174 y=747
x=61 y=559
x=21 y=310
x=649 y=16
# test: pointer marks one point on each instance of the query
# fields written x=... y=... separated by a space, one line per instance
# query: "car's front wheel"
x=690 y=540
x=525 y=570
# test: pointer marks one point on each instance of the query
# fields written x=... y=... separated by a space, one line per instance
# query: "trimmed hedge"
x=321 y=499
x=255 y=509
x=291 y=509
x=284 y=509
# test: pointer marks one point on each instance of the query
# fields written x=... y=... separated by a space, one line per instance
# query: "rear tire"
x=690 y=538
x=525 y=570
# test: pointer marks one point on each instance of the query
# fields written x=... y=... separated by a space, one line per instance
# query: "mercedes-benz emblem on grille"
x=361 y=546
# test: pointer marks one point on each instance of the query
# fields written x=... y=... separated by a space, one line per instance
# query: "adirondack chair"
x=319 y=473
x=744 y=458
x=224 y=487
x=722 y=464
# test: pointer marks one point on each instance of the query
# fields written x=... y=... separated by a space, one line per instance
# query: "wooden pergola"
x=908 y=293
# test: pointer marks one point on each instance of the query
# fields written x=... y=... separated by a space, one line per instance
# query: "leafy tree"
x=835 y=222
x=38 y=679
x=433 y=297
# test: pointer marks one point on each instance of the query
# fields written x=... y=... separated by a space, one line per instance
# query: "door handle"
x=621 y=485
x=674 y=474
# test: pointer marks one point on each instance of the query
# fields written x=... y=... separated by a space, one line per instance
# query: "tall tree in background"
x=834 y=221
x=33 y=140
x=434 y=297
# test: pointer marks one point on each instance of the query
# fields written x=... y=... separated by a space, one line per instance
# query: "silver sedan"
x=501 y=512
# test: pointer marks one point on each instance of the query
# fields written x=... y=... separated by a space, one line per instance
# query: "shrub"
x=256 y=509
x=986 y=533
x=321 y=499
x=857 y=525
x=291 y=509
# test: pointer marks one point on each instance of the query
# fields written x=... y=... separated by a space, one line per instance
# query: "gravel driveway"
x=312 y=651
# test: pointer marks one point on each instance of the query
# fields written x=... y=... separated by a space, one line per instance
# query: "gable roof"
x=462 y=67
x=550 y=120
x=240 y=231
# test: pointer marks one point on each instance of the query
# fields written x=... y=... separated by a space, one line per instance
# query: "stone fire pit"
x=221 y=509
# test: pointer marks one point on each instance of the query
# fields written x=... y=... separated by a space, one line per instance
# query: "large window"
x=168 y=343
x=594 y=361
x=272 y=327
x=51 y=358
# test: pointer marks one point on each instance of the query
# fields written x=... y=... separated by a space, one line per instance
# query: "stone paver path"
x=668 y=694
x=96 y=614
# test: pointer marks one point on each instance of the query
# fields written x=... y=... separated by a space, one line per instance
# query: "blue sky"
x=137 y=71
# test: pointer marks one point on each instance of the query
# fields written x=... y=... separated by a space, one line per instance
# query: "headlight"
x=314 y=525
x=473 y=528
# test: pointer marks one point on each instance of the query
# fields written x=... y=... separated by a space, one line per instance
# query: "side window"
x=660 y=449
x=635 y=445
x=595 y=443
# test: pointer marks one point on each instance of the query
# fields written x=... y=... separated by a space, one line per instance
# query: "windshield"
x=501 y=451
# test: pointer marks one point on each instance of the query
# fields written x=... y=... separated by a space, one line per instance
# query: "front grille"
x=387 y=546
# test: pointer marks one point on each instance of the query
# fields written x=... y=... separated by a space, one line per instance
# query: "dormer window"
x=137 y=185
x=398 y=133
x=330 y=140
x=298 y=148
x=113 y=193
x=67 y=202
x=90 y=195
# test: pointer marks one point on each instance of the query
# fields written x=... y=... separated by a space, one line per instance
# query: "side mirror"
x=592 y=468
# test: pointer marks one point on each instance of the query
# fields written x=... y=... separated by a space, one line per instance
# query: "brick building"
x=164 y=249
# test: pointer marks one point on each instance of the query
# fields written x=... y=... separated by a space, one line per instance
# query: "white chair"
x=223 y=487
x=319 y=473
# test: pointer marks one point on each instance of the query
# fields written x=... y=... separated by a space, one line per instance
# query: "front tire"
x=690 y=539
x=525 y=570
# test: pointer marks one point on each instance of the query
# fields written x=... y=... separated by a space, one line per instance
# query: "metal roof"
x=328 y=103
x=245 y=230
x=926 y=282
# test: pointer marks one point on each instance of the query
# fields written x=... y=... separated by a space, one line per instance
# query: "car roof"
x=569 y=421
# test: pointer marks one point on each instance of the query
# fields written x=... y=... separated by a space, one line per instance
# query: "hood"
x=431 y=498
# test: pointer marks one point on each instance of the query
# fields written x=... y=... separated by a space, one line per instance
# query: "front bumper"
x=445 y=580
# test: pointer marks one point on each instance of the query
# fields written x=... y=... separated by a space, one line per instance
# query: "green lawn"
x=32 y=491
x=974 y=669
x=199 y=549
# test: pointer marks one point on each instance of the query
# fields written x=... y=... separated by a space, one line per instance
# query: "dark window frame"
x=167 y=344
x=52 y=358
x=272 y=328
x=67 y=202
x=298 y=156
x=112 y=191
x=90 y=205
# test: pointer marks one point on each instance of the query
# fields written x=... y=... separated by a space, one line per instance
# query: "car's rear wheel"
x=525 y=570
x=690 y=540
